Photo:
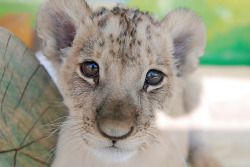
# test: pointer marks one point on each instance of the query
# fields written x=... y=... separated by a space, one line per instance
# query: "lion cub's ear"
x=57 y=24
x=188 y=34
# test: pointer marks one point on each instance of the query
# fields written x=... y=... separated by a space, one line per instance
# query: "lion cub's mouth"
x=114 y=154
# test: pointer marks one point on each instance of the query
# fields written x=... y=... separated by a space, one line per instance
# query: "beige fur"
x=126 y=44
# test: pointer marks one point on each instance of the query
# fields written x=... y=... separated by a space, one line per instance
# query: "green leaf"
x=31 y=108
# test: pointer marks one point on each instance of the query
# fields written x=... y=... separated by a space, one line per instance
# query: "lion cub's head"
x=116 y=67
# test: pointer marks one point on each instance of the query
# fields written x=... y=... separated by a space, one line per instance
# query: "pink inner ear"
x=65 y=34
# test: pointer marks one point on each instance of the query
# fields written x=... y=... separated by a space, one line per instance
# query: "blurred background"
x=223 y=78
x=227 y=21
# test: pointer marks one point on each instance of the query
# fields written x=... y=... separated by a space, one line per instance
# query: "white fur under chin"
x=113 y=155
x=73 y=152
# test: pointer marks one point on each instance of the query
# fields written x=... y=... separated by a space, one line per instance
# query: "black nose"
x=114 y=138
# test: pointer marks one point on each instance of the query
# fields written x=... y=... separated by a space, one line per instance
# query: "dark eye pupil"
x=154 y=77
x=92 y=66
x=90 y=69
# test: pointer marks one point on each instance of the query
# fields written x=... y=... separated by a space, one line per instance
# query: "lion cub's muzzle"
x=116 y=119
x=114 y=131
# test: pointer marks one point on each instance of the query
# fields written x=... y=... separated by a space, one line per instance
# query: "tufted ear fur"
x=188 y=34
x=58 y=22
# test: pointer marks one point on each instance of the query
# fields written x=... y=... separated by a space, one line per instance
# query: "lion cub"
x=117 y=71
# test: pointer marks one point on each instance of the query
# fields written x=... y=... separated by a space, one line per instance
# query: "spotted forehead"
x=128 y=17
x=126 y=31
x=126 y=24
x=125 y=35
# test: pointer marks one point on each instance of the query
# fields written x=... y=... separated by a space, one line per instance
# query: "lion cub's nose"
x=115 y=130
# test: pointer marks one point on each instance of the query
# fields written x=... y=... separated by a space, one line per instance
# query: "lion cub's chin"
x=113 y=154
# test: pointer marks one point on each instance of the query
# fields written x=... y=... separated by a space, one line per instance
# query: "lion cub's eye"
x=90 y=69
x=154 y=77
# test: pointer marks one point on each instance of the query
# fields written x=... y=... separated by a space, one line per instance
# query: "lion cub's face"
x=115 y=68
